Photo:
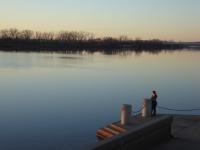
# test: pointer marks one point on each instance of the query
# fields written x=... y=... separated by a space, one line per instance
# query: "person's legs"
x=153 y=110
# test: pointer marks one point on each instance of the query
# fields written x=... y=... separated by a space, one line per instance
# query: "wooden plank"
x=101 y=137
x=103 y=129
x=117 y=128
x=104 y=133
x=112 y=131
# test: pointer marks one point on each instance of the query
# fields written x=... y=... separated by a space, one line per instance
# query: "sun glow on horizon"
x=166 y=20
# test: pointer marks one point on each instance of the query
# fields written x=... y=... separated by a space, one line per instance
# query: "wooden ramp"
x=109 y=131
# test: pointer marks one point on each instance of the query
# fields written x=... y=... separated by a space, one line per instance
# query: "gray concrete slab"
x=186 y=134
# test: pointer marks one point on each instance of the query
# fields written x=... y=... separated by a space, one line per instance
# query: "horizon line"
x=95 y=35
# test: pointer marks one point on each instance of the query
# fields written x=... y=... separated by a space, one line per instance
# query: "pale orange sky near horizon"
x=148 y=19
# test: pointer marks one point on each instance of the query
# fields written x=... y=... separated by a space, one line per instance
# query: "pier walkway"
x=186 y=132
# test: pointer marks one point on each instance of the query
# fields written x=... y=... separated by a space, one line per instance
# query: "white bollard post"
x=126 y=111
x=146 y=108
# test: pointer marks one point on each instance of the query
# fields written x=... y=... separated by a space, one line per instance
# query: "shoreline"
x=90 y=46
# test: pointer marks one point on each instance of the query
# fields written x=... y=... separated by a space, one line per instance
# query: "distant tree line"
x=15 y=34
x=14 y=39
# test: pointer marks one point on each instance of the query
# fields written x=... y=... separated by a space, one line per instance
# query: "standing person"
x=154 y=103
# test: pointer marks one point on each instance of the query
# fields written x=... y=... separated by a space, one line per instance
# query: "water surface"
x=52 y=101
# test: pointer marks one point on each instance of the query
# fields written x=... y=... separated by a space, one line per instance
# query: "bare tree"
x=9 y=34
x=4 y=34
x=123 y=38
x=90 y=36
x=109 y=39
x=26 y=34
x=63 y=35
x=38 y=36
x=13 y=33
x=74 y=36
x=47 y=36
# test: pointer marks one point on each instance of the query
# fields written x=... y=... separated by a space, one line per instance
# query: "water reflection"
x=50 y=100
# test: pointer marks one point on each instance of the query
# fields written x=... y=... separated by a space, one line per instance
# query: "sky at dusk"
x=148 y=19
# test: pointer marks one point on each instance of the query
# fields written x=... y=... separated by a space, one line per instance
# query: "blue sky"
x=147 y=19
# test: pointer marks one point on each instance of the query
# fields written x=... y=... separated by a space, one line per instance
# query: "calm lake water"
x=52 y=101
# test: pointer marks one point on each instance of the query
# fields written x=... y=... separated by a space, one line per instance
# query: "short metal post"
x=146 y=108
x=126 y=111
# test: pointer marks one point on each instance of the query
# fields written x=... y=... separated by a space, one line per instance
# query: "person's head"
x=154 y=92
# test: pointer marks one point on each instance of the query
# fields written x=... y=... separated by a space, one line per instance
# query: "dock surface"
x=186 y=134
x=139 y=133
x=135 y=122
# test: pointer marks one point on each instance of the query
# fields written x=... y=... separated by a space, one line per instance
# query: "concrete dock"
x=186 y=134
x=156 y=133
x=140 y=133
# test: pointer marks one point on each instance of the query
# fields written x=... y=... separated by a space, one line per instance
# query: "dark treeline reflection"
x=27 y=40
